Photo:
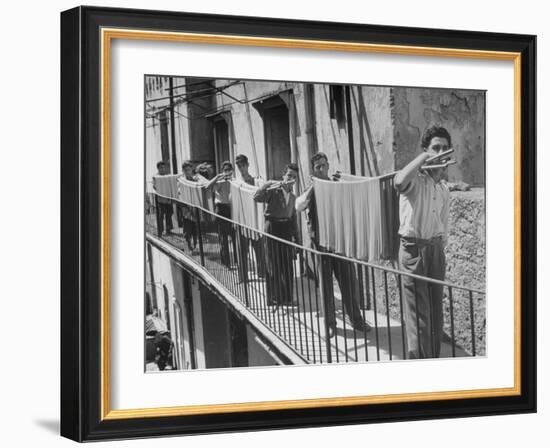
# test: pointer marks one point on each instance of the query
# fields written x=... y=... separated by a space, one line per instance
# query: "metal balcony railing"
x=237 y=257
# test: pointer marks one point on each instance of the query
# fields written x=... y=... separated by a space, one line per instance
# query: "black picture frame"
x=81 y=224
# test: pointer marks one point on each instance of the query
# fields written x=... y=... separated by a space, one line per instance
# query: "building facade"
x=364 y=130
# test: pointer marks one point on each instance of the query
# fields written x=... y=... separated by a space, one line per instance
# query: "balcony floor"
x=302 y=326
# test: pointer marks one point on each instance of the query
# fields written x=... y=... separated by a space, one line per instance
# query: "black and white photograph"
x=294 y=223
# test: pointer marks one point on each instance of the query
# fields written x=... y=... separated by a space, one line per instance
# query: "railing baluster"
x=301 y=325
x=226 y=263
x=298 y=311
x=289 y=283
x=305 y=324
x=361 y=287
x=317 y=271
x=431 y=320
x=340 y=276
x=332 y=298
x=233 y=261
x=279 y=274
x=388 y=312
x=239 y=238
x=277 y=282
x=293 y=287
x=367 y=283
x=250 y=284
x=263 y=286
x=199 y=231
x=241 y=286
x=451 y=306
x=375 y=315
x=159 y=217
x=417 y=319
x=399 y=288
x=222 y=270
x=355 y=304
x=472 y=321
x=364 y=317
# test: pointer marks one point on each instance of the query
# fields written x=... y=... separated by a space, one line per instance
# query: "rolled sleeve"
x=410 y=187
x=302 y=201
x=262 y=194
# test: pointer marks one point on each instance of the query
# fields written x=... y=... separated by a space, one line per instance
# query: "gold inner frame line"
x=107 y=35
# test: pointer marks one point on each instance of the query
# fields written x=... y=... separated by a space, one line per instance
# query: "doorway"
x=277 y=140
x=221 y=142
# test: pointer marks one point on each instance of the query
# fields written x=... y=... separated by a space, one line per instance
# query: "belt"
x=422 y=241
x=270 y=219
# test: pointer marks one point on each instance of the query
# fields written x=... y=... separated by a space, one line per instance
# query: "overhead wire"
x=218 y=109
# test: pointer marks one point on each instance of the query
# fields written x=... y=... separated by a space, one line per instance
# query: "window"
x=337 y=104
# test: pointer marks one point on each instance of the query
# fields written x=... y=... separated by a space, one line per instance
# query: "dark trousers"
x=224 y=231
x=423 y=307
x=245 y=241
x=279 y=259
x=190 y=232
x=188 y=224
x=346 y=276
x=164 y=217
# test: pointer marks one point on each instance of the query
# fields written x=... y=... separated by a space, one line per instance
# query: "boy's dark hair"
x=316 y=157
x=291 y=166
x=227 y=163
x=160 y=163
x=435 y=131
x=202 y=169
x=240 y=159
x=187 y=164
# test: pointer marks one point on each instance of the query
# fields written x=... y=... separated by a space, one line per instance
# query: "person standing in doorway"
x=424 y=219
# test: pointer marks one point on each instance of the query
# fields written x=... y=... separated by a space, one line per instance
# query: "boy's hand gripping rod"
x=430 y=165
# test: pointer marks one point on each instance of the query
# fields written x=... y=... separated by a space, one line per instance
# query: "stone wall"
x=466 y=264
x=461 y=112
